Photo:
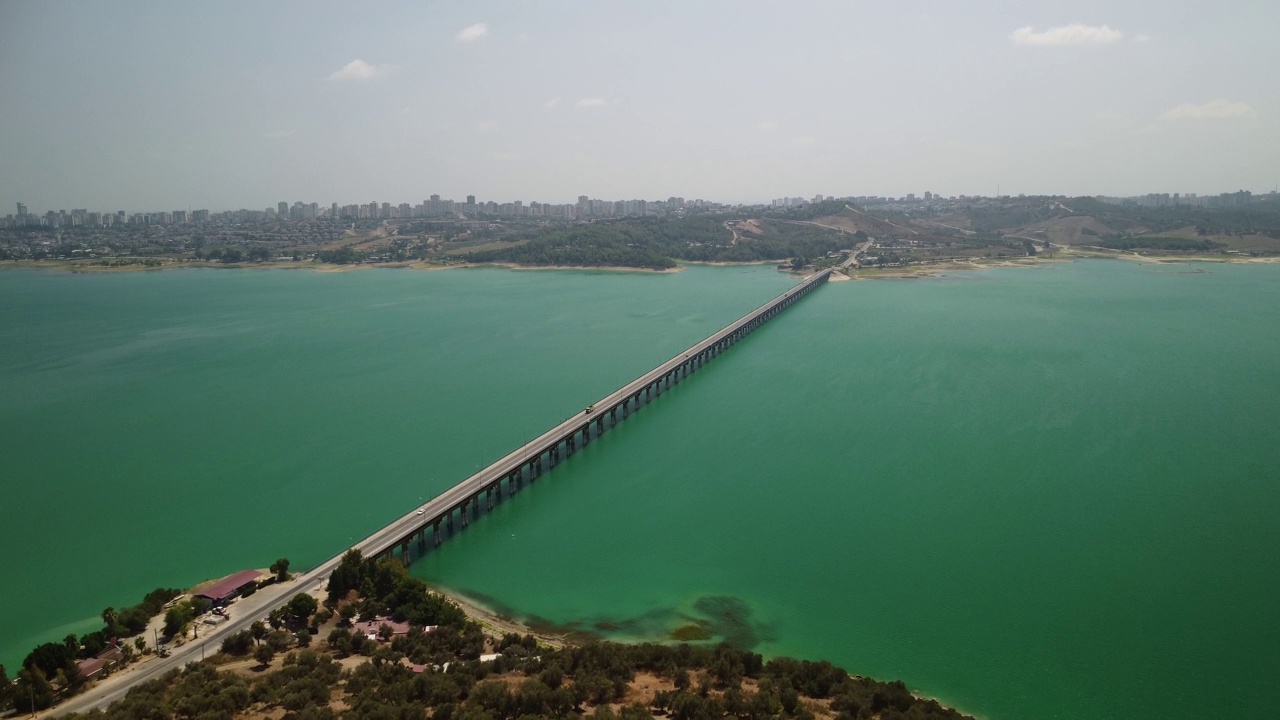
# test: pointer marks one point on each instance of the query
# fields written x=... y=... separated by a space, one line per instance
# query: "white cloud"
x=802 y=141
x=280 y=134
x=591 y=102
x=504 y=156
x=766 y=125
x=487 y=126
x=472 y=32
x=551 y=103
x=360 y=70
x=1141 y=38
x=1219 y=109
x=1073 y=34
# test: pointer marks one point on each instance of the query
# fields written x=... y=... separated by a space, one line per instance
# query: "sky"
x=145 y=106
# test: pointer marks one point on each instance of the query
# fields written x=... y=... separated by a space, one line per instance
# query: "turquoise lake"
x=1031 y=493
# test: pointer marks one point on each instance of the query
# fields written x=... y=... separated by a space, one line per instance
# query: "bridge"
x=461 y=503
x=464 y=500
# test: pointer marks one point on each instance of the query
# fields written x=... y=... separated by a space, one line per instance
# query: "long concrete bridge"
x=461 y=503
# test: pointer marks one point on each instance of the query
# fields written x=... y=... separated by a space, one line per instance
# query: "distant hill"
x=658 y=243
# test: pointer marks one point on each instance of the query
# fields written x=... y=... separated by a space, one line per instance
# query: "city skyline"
x=586 y=207
x=185 y=105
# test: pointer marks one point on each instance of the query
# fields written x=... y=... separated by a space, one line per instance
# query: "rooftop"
x=228 y=586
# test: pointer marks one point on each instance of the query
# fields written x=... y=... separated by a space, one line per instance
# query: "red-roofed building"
x=90 y=668
x=226 y=589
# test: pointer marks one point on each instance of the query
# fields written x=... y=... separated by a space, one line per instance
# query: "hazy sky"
x=220 y=105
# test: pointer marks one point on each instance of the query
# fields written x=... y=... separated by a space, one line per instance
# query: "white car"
x=420 y=511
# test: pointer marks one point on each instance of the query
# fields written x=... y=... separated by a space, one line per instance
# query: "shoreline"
x=922 y=270
x=493 y=623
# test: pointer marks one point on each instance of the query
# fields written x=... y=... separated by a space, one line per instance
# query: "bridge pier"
x=436 y=527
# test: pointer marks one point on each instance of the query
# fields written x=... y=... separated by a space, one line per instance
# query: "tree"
x=6 y=689
x=258 y=630
x=177 y=617
x=345 y=578
x=300 y=608
x=109 y=618
x=278 y=640
x=238 y=644
x=134 y=619
x=264 y=654
x=281 y=569
x=31 y=691
x=49 y=658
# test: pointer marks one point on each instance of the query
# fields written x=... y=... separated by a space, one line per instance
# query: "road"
x=246 y=611
x=853 y=256
x=851 y=208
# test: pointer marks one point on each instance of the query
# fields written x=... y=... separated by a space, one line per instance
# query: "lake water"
x=1045 y=493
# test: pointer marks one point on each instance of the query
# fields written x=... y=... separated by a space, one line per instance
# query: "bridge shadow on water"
x=427 y=542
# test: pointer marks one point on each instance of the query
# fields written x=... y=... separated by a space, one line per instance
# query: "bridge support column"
x=466 y=520
x=404 y=551
x=436 y=527
x=489 y=494
x=449 y=521
x=599 y=426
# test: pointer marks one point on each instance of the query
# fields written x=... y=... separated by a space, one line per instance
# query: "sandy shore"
x=496 y=624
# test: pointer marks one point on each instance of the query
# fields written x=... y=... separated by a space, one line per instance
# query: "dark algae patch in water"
x=713 y=618
x=731 y=620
